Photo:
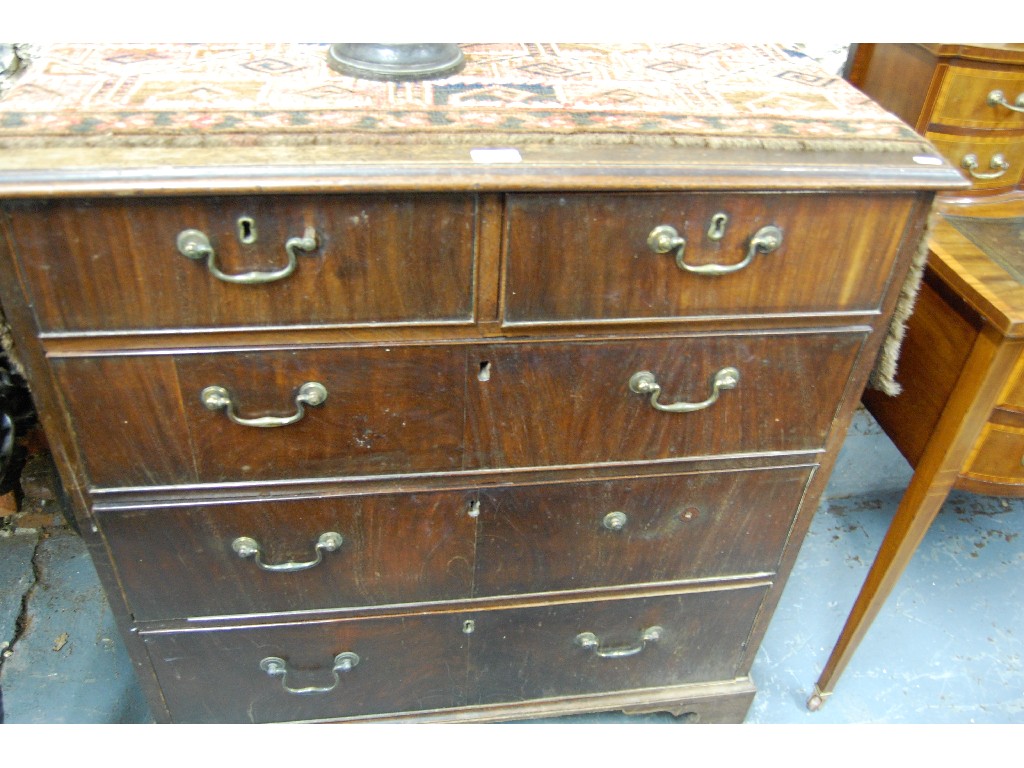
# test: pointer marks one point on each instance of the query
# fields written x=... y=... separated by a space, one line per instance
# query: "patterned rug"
x=277 y=94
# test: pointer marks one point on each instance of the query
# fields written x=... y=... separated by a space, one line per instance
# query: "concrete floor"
x=947 y=647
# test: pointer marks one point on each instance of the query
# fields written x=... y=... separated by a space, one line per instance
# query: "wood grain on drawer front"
x=141 y=421
x=955 y=148
x=963 y=98
x=531 y=653
x=640 y=530
x=586 y=257
x=179 y=562
x=570 y=403
x=108 y=265
x=406 y=663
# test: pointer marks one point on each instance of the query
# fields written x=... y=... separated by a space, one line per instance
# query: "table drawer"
x=320 y=553
x=382 y=414
x=405 y=664
x=586 y=257
x=103 y=265
x=963 y=99
x=612 y=645
x=998 y=456
x=990 y=153
x=635 y=531
x=572 y=403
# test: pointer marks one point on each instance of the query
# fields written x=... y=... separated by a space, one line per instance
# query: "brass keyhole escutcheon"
x=246 y=230
x=716 y=230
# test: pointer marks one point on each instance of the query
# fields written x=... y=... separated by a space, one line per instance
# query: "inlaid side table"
x=959 y=419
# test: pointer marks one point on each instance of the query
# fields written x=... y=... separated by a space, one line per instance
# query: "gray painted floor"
x=947 y=648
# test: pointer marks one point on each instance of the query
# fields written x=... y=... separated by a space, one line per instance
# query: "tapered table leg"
x=978 y=387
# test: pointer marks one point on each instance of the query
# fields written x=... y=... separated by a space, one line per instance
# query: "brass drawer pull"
x=998 y=99
x=589 y=641
x=245 y=546
x=665 y=238
x=217 y=398
x=998 y=162
x=195 y=245
x=277 y=667
x=644 y=383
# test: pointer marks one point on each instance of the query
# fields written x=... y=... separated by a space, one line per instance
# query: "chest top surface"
x=170 y=116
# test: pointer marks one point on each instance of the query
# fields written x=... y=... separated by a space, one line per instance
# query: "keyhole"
x=246 y=230
x=716 y=231
x=485 y=371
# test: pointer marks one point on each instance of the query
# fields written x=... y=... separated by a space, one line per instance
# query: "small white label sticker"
x=496 y=155
x=926 y=160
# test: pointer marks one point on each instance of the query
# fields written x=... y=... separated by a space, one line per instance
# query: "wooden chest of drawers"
x=968 y=100
x=485 y=439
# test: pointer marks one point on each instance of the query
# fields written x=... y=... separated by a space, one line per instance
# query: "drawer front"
x=964 y=102
x=570 y=404
x=141 y=421
x=587 y=257
x=102 y=265
x=1012 y=397
x=998 y=456
x=405 y=664
x=989 y=153
x=188 y=561
x=636 y=531
x=538 y=652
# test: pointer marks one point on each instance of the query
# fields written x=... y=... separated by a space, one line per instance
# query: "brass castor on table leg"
x=817 y=700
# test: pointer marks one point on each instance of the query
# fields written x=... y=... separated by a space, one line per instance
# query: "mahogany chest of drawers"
x=495 y=411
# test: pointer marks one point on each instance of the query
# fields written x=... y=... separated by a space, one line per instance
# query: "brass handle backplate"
x=998 y=99
x=664 y=239
x=997 y=163
x=217 y=398
x=590 y=642
x=277 y=667
x=195 y=245
x=245 y=546
x=644 y=383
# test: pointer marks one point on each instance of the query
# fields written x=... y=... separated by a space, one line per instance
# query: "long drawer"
x=324 y=553
x=345 y=668
x=97 y=265
x=572 y=258
x=539 y=404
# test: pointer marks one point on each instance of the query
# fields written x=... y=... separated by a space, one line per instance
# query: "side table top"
x=981 y=256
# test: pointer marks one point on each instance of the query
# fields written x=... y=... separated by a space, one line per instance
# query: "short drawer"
x=972 y=98
x=590 y=257
x=540 y=652
x=585 y=402
x=116 y=265
x=635 y=531
x=316 y=670
x=141 y=420
x=998 y=456
x=295 y=555
x=990 y=162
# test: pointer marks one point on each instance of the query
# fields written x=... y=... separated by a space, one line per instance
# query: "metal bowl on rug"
x=396 y=61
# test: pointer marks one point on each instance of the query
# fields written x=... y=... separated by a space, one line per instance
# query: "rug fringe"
x=883 y=376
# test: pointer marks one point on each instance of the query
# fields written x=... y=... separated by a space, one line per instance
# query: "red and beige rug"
x=267 y=94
